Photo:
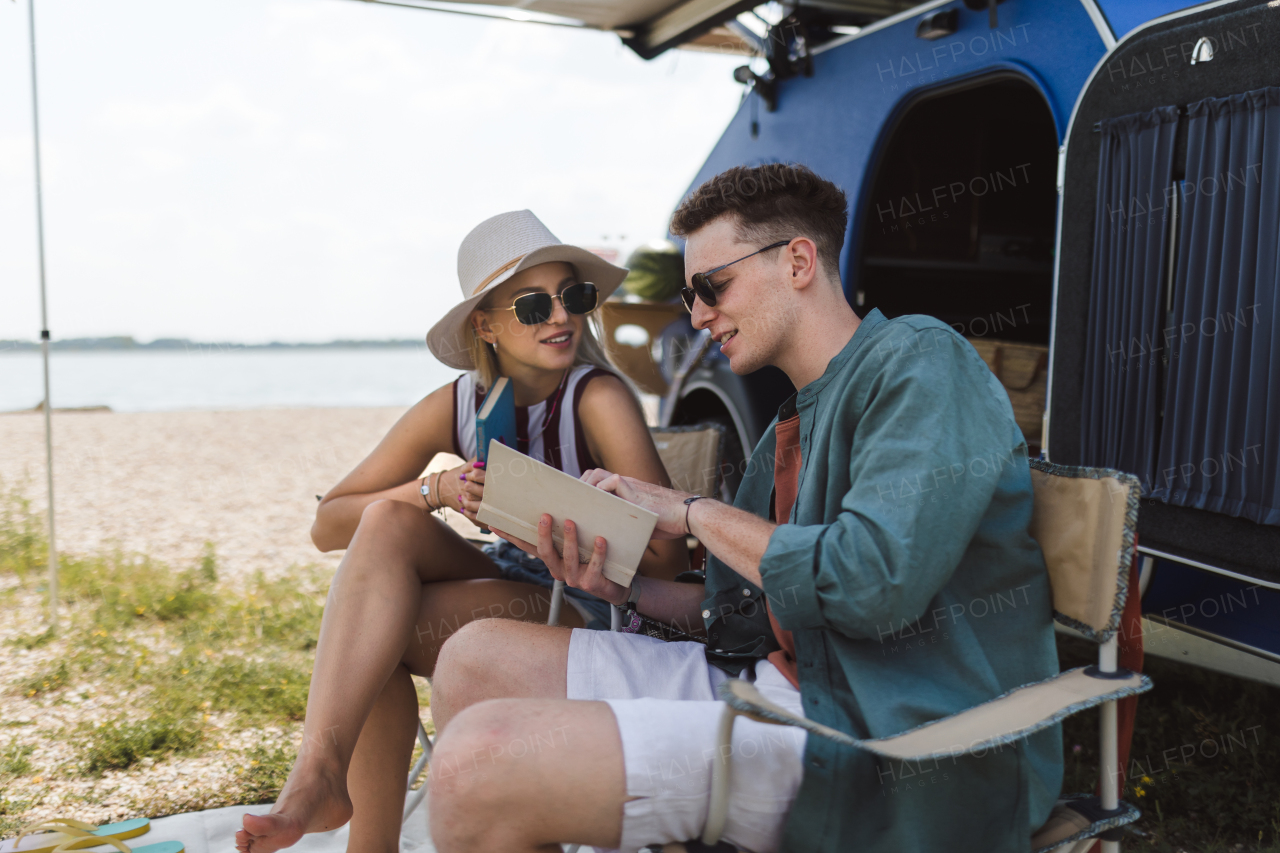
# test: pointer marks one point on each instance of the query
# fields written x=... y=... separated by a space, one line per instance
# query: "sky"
x=304 y=170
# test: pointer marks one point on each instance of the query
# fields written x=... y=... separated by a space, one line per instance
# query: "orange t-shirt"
x=786 y=483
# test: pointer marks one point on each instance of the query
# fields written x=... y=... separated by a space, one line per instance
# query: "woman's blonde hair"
x=590 y=351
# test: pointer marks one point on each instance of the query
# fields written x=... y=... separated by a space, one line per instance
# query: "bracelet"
x=688 y=505
x=435 y=491
x=422 y=490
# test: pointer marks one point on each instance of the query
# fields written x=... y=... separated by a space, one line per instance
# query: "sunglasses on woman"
x=703 y=288
x=534 y=308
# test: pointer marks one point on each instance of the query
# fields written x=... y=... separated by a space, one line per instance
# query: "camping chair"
x=1084 y=520
x=690 y=455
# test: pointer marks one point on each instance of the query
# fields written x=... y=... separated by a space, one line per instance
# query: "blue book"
x=496 y=420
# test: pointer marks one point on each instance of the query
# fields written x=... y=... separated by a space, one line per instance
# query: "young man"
x=874 y=573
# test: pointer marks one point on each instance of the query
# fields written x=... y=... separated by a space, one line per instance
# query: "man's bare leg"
x=526 y=775
x=498 y=659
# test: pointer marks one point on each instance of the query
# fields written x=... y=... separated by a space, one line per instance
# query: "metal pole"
x=44 y=324
x=1108 y=746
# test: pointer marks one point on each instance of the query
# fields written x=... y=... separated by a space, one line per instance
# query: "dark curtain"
x=1220 y=447
x=1120 y=411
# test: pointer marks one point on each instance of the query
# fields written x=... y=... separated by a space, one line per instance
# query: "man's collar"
x=809 y=392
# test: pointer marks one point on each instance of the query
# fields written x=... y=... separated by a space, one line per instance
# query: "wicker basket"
x=1023 y=370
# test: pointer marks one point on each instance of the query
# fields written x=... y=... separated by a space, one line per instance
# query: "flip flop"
x=158 y=847
x=45 y=836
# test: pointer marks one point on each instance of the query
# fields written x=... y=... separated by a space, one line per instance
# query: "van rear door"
x=1166 y=330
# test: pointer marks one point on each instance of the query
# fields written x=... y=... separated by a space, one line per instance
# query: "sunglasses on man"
x=534 y=308
x=703 y=288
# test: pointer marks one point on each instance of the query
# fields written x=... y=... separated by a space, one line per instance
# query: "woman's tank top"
x=550 y=431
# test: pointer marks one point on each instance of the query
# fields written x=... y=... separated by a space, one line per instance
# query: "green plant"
x=23 y=544
x=15 y=761
x=209 y=563
x=263 y=774
x=283 y=611
x=119 y=590
x=254 y=690
x=46 y=682
x=120 y=744
x=33 y=641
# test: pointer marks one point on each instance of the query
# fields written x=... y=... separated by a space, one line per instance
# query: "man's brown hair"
x=770 y=203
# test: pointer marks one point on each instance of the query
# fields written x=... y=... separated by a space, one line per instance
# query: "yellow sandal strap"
x=75 y=843
x=65 y=825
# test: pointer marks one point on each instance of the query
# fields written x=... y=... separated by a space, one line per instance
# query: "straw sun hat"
x=493 y=252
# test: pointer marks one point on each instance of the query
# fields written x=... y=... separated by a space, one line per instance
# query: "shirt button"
x=706 y=614
x=746 y=592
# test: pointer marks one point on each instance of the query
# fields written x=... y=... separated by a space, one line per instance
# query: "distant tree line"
x=126 y=342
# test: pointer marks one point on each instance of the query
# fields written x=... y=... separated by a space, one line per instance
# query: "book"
x=519 y=489
x=496 y=420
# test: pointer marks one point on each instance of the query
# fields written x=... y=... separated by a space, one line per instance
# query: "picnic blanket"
x=214 y=831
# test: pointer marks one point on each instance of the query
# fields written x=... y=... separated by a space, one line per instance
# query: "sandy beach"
x=164 y=483
x=160 y=485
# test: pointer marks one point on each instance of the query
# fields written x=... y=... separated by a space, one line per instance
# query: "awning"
x=650 y=27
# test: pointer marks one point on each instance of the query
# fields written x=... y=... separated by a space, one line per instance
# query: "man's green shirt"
x=913 y=589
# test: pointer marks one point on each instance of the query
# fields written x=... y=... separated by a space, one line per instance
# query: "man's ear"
x=803 y=256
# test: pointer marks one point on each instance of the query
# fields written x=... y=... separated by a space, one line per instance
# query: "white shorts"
x=663 y=697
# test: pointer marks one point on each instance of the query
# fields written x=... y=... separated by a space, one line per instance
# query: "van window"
x=1183 y=351
x=1222 y=411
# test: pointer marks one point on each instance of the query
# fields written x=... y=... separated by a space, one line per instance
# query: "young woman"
x=407 y=580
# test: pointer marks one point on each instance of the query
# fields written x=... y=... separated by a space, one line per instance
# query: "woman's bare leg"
x=379 y=767
x=370 y=624
x=377 y=777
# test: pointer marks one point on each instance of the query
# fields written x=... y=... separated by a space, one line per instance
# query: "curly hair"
x=772 y=202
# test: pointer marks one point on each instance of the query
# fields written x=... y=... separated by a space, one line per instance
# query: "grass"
x=263 y=774
x=184 y=660
x=120 y=744
x=15 y=761
x=52 y=680
x=1203 y=762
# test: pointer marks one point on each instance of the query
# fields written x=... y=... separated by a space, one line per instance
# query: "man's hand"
x=667 y=503
x=588 y=576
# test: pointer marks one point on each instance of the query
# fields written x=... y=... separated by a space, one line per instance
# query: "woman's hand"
x=667 y=503
x=588 y=576
x=466 y=484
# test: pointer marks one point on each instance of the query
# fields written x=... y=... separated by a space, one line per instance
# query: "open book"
x=519 y=489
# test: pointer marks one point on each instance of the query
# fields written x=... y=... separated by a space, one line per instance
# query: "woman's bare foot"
x=313 y=800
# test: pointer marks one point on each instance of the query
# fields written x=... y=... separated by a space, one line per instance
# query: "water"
x=217 y=378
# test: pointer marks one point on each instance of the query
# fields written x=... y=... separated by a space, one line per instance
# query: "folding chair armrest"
x=1005 y=719
x=745 y=699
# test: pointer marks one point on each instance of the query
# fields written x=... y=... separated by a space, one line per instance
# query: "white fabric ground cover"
x=214 y=831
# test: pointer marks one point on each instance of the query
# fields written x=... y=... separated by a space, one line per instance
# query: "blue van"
x=1089 y=190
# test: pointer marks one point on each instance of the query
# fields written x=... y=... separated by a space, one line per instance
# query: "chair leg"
x=413 y=798
x=557 y=599
x=718 y=813
x=1108 y=746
